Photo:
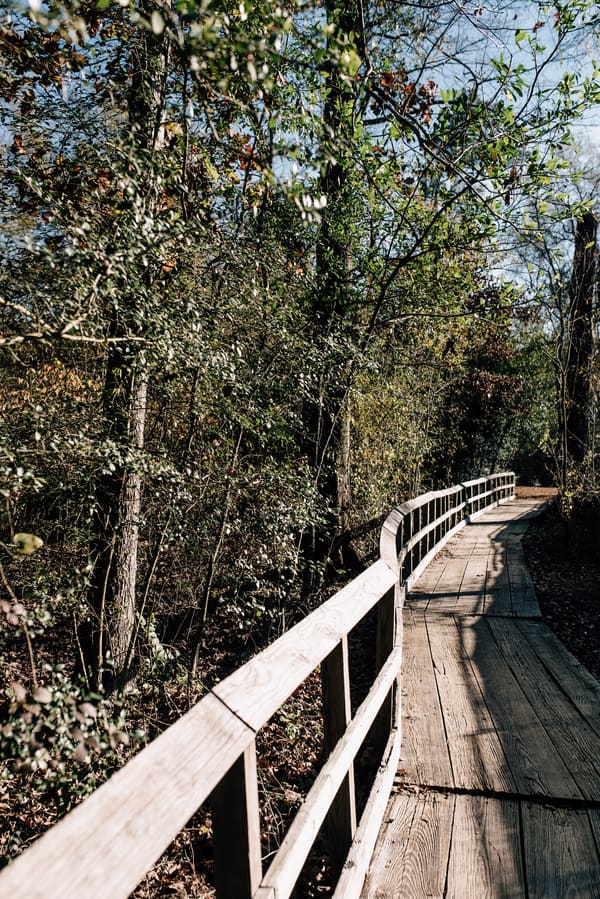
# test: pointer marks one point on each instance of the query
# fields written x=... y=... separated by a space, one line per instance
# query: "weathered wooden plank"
x=435 y=523
x=534 y=761
x=476 y=751
x=485 y=855
x=257 y=690
x=523 y=596
x=236 y=830
x=129 y=821
x=509 y=590
x=594 y=816
x=562 y=855
x=465 y=579
x=169 y=782
x=443 y=585
x=416 y=531
x=498 y=599
x=471 y=592
x=425 y=757
x=582 y=687
x=425 y=589
x=411 y=855
x=388 y=636
x=426 y=560
x=576 y=742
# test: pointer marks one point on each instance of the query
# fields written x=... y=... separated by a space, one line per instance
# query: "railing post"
x=407 y=562
x=416 y=550
x=337 y=713
x=389 y=622
x=236 y=830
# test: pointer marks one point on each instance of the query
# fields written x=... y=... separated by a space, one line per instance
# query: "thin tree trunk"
x=580 y=347
x=107 y=640
x=328 y=438
x=122 y=626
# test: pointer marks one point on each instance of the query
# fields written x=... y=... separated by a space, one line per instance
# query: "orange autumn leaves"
x=411 y=98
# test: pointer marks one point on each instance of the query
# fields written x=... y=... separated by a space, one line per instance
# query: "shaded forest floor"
x=565 y=569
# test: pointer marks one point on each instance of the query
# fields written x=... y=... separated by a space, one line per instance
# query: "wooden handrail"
x=106 y=845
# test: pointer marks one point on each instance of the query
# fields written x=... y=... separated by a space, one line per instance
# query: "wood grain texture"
x=536 y=766
x=438 y=589
x=258 y=689
x=425 y=757
x=426 y=560
x=341 y=818
x=562 y=855
x=236 y=829
x=520 y=717
x=419 y=528
x=424 y=590
x=477 y=754
x=471 y=592
x=594 y=816
x=130 y=821
x=498 y=600
x=411 y=855
x=576 y=742
x=485 y=855
x=388 y=636
x=523 y=596
x=351 y=880
x=582 y=687
x=286 y=866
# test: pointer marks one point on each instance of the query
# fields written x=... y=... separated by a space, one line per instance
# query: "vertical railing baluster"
x=236 y=830
x=388 y=615
x=335 y=680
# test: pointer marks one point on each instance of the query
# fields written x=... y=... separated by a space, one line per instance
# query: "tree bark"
x=108 y=640
x=577 y=411
x=328 y=434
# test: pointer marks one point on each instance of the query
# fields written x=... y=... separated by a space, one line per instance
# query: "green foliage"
x=58 y=744
x=70 y=741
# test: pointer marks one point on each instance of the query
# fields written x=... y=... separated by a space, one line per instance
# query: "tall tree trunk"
x=328 y=433
x=108 y=643
x=116 y=521
x=577 y=412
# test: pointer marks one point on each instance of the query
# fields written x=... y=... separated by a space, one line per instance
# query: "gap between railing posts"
x=107 y=844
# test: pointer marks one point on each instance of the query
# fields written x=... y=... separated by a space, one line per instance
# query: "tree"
x=125 y=388
x=576 y=411
x=182 y=166
x=561 y=291
x=423 y=150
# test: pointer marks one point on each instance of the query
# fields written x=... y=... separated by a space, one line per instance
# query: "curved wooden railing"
x=106 y=845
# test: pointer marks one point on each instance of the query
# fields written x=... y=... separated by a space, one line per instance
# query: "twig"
x=15 y=599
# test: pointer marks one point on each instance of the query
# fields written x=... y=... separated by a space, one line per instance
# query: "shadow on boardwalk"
x=498 y=793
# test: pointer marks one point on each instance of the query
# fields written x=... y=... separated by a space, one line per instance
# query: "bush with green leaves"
x=58 y=743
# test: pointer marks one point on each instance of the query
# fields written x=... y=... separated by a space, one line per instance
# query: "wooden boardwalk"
x=498 y=790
